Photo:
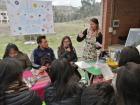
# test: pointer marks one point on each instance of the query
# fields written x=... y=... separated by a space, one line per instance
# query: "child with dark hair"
x=64 y=89
x=13 y=91
x=101 y=94
x=45 y=61
x=129 y=54
x=45 y=64
x=43 y=50
x=12 y=51
x=127 y=84
x=66 y=50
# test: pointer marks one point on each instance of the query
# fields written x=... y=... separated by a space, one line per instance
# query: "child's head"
x=66 y=42
x=45 y=61
x=11 y=51
x=128 y=84
x=129 y=54
x=63 y=78
x=61 y=71
x=42 y=42
x=101 y=94
x=10 y=71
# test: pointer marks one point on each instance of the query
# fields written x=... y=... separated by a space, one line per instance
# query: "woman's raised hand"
x=68 y=50
x=81 y=34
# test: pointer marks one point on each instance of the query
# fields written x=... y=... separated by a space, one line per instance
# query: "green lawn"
x=61 y=29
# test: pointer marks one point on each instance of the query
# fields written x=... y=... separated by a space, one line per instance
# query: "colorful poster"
x=29 y=17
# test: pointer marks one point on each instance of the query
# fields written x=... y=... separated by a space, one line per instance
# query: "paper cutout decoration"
x=29 y=17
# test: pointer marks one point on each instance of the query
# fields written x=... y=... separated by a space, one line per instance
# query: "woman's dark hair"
x=10 y=71
x=101 y=94
x=129 y=54
x=62 y=42
x=45 y=60
x=128 y=84
x=94 y=20
x=61 y=75
x=39 y=39
x=8 y=49
x=107 y=94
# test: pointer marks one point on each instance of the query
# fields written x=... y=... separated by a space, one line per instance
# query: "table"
x=90 y=67
x=40 y=85
x=93 y=70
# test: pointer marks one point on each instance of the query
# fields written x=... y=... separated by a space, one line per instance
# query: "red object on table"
x=40 y=85
x=98 y=80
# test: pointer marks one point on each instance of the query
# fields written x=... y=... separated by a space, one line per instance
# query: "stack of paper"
x=83 y=65
x=106 y=71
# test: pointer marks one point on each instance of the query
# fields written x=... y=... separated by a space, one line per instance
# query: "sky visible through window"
x=75 y=3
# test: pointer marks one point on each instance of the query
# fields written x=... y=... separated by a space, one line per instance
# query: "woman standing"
x=93 y=40
x=12 y=51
